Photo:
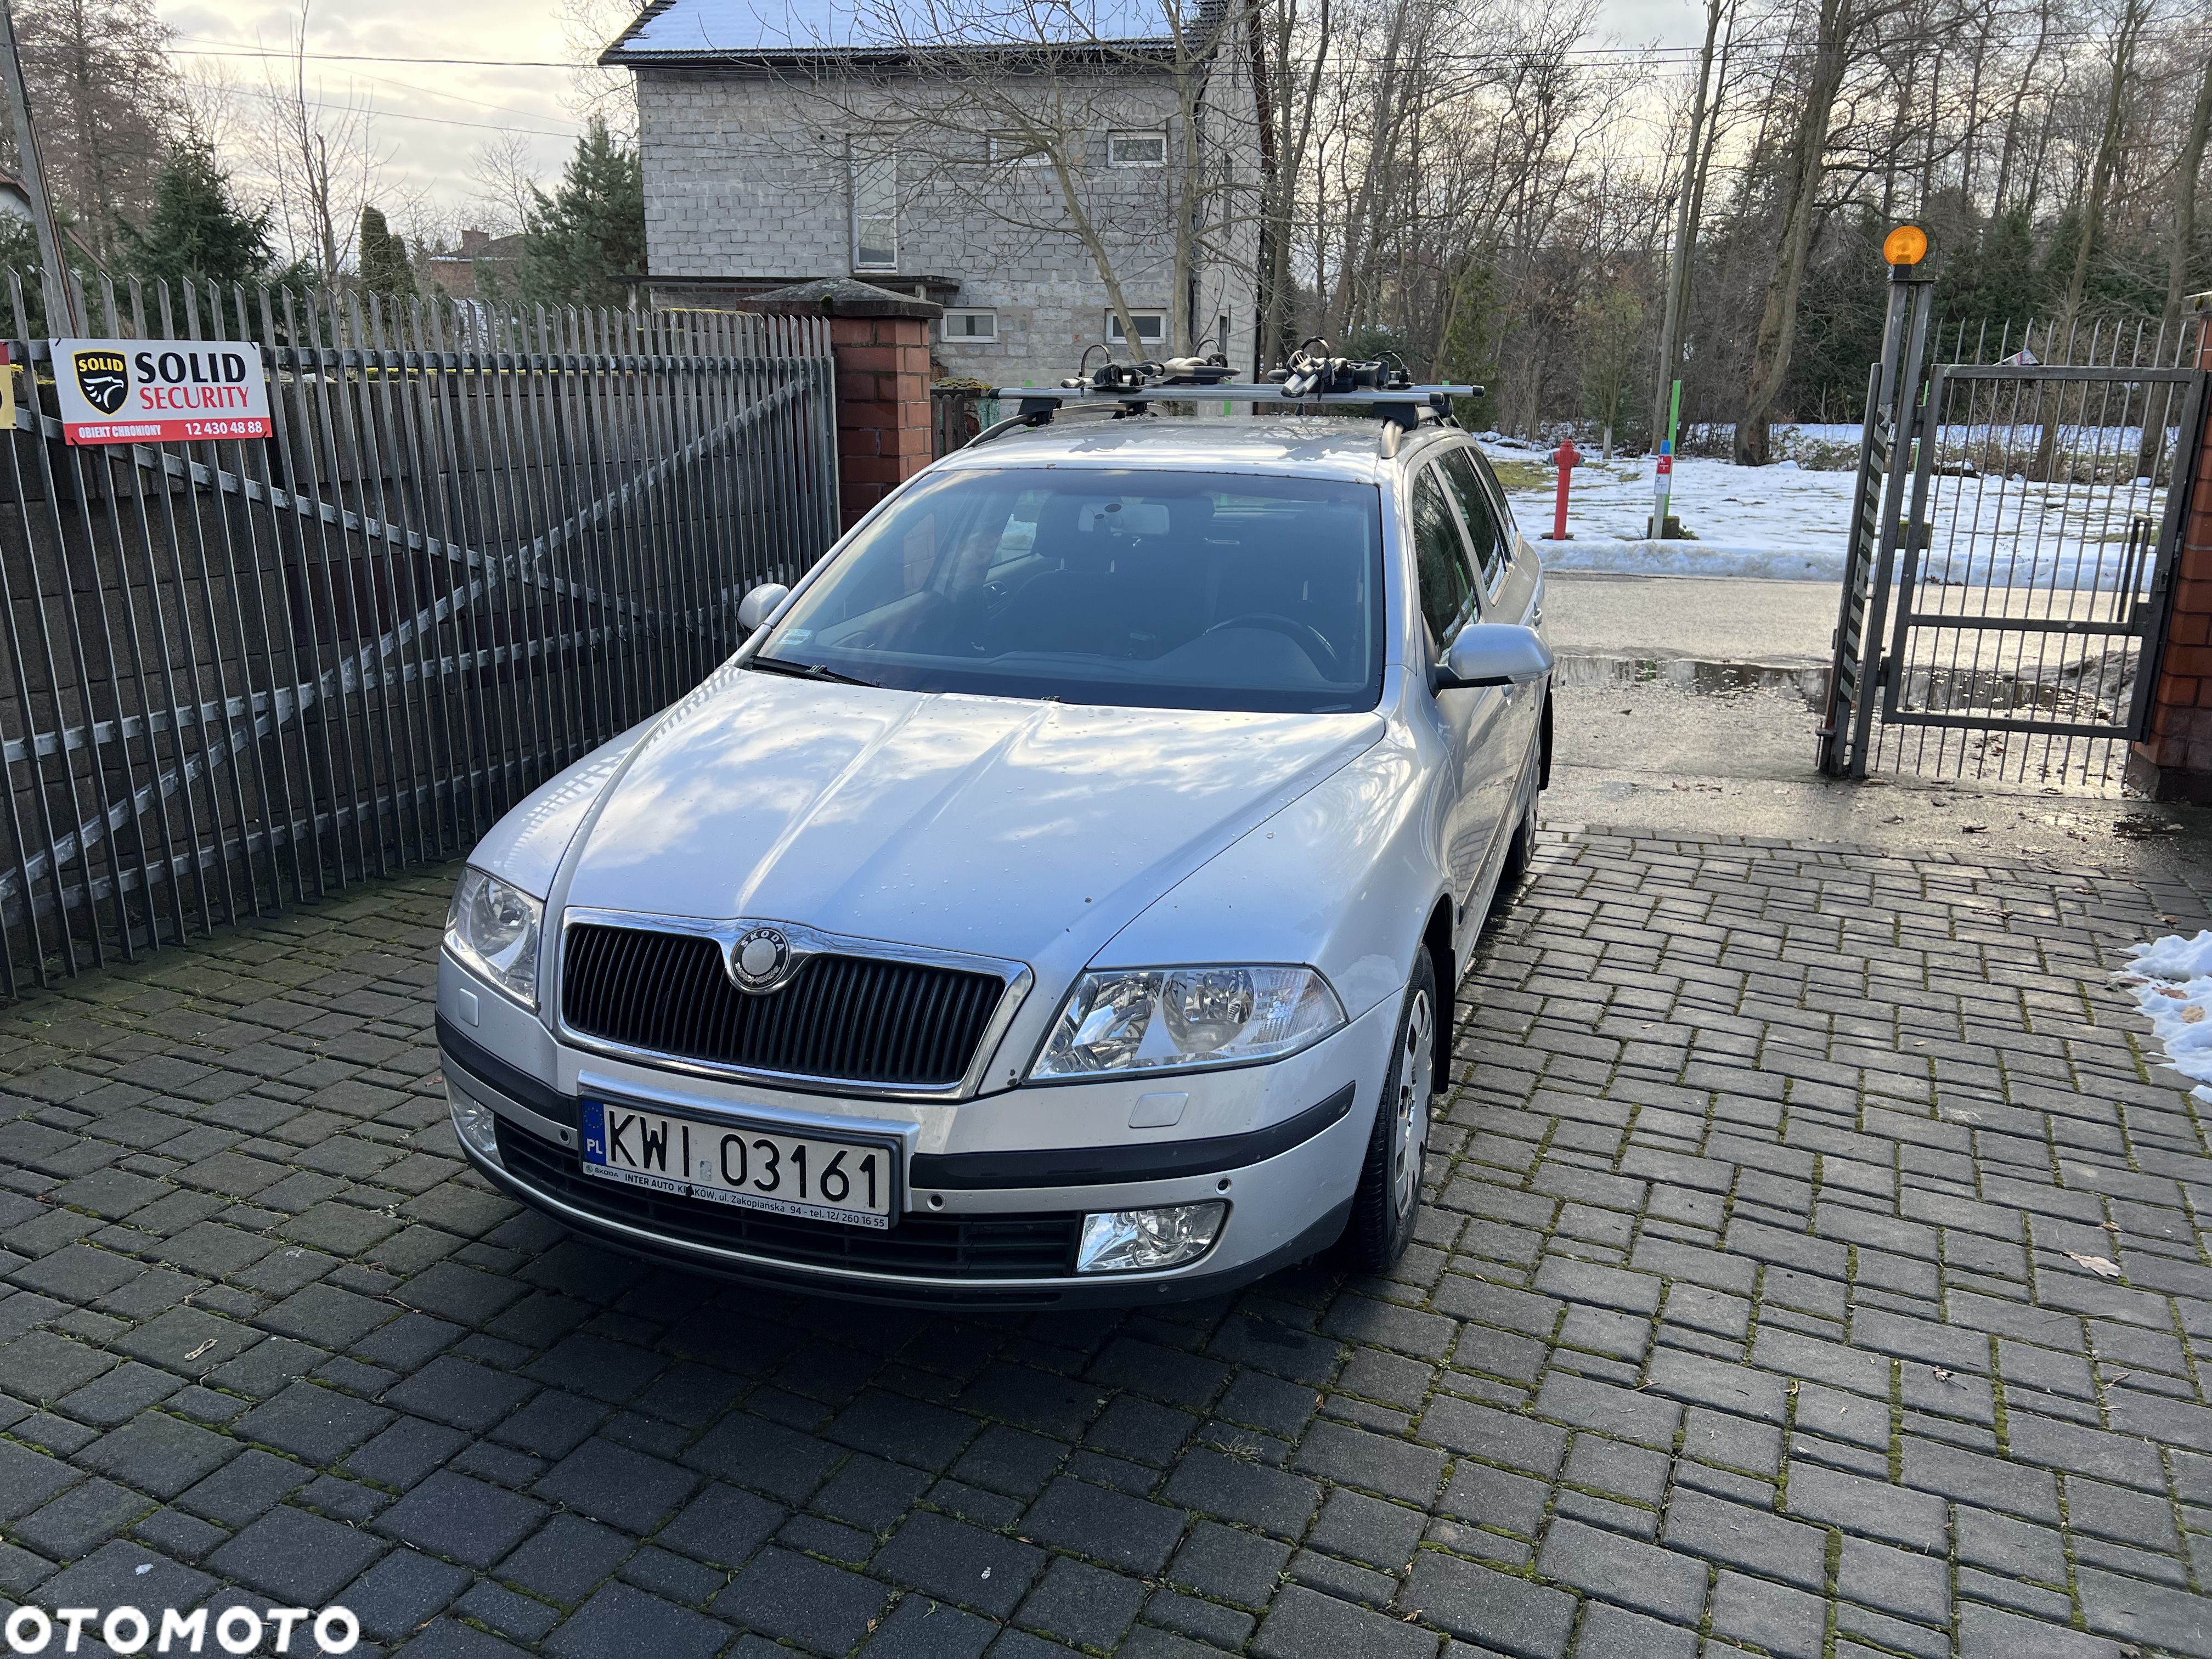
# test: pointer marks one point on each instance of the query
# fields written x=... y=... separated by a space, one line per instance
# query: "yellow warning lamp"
x=1906 y=246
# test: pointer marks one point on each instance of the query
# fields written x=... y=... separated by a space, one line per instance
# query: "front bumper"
x=981 y=1230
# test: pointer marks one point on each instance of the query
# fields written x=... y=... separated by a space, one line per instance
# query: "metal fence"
x=2013 y=550
x=2035 y=577
x=236 y=675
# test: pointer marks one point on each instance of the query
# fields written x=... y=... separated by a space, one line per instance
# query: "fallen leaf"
x=2173 y=990
x=2119 y=1376
x=1942 y=1376
x=202 y=1349
x=2193 y=1014
x=2096 y=1264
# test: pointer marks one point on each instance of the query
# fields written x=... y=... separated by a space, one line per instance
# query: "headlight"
x=494 y=929
x=1136 y=1019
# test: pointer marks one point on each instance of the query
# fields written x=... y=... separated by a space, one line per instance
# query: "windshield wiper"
x=810 y=671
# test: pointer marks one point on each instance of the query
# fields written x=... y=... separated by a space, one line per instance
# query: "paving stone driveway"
x=1758 y=1306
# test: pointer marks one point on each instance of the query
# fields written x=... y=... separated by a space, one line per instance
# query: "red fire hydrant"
x=1566 y=458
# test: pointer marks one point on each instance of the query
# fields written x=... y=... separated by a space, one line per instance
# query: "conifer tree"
x=194 y=229
x=585 y=244
x=384 y=266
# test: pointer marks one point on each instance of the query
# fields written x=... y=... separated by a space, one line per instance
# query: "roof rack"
x=1305 y=380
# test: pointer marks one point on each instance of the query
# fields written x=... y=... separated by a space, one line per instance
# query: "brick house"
x=483 y=262
x=789 y=147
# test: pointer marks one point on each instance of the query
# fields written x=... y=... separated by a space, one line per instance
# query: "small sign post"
x=140 y=391
x=1662 y=481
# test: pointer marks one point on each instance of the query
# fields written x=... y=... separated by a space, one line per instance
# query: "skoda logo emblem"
x=759 y=960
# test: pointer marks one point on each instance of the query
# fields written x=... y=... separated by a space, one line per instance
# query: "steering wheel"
x=1310 y=638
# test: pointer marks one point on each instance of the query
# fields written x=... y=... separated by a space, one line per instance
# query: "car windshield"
x=1177 y=590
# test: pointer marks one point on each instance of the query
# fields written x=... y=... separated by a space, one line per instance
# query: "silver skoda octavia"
x=1056 y=901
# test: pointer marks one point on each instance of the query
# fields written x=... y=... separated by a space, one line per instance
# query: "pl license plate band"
x=852 y=1182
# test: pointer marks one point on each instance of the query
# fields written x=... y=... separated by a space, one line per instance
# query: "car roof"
x=1309 y=447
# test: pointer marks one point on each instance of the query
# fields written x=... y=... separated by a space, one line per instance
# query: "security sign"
x=137 y=391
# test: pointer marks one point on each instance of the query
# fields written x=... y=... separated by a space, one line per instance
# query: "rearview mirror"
x=1494 y=653
x=757 y=606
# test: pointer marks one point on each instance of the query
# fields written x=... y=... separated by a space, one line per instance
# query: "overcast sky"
x=431 y=118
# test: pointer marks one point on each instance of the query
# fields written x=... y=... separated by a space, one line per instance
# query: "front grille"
x=937 y=1247
x=857 y=1019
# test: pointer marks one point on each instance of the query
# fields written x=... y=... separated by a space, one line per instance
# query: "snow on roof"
x=671 y=30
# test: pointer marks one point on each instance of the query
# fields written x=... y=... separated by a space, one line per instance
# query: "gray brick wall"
x=746 y=176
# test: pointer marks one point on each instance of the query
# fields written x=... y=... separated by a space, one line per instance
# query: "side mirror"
x=1494 y=653
x=757 y=606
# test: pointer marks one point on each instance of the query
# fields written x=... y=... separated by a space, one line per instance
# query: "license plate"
x=850 y=1181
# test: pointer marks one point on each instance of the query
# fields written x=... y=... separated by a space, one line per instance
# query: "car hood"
x=1012 y=828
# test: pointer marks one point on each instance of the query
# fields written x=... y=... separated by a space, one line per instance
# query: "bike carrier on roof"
x=1307 y=380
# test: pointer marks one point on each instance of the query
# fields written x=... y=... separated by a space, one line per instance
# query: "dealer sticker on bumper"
x=847 y=1182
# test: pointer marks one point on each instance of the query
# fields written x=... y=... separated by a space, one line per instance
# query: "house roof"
x=674 y=32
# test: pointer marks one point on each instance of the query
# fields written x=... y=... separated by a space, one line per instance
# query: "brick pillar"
x=882 y=406
x=881 y=341
x=2174 y=760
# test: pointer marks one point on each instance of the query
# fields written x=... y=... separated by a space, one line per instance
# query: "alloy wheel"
x=1416 y=1069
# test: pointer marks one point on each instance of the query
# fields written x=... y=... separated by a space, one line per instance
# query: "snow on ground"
x=1780 y=522
x=2171 y=979
x=1789 y=523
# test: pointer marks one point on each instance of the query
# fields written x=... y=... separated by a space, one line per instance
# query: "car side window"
x=1440 y=559
x=1492 y=550
x=1497 y=496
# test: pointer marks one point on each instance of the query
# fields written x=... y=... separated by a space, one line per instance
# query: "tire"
x=1388 y=1201
x=1522 y=849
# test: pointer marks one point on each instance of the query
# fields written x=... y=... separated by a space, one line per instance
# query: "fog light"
x=1128 y=1241
x=474 y=1123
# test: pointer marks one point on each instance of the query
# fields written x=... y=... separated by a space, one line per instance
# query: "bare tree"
x=506 y=177
x=597 y=94
x=1840 y=31
x=107 y=103
x=2127 y=34
x=1697 y=161
x=321 y=157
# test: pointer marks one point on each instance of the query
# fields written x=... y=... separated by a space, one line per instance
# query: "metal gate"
x=2011 y=572
x=236 y=675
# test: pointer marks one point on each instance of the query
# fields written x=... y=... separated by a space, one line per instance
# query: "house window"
x=1137 y=149
x=875 y=211
x=1151 y=327
x=1016 y=150
x=971 y=327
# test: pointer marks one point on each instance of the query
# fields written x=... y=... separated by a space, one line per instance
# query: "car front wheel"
x=1388 y=1198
